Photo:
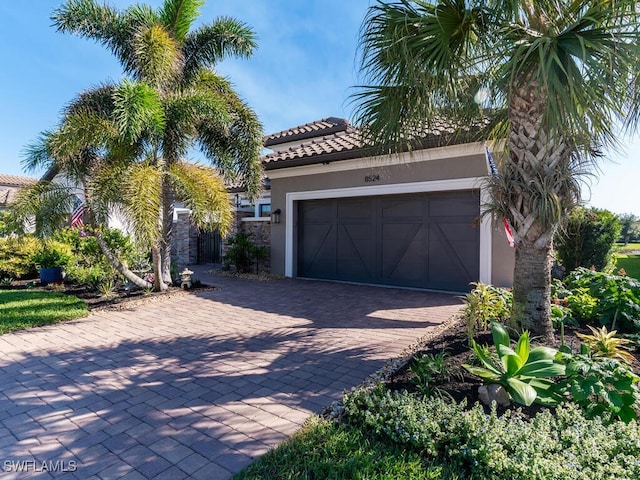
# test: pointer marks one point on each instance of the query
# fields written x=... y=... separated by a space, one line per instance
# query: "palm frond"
x=185 y=110
x=178 y=16
x=210 y=44
x=140 y=202
x=204 y=193
x=137 y=109
x=156 y=55
x=43 y=207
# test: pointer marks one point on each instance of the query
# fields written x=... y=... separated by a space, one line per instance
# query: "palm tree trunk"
x=532 y=290
x=118 y=265
x=158 y=284
x=167 y=231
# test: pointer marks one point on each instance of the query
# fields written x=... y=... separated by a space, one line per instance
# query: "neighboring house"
x=10 y=185
x=410 y=220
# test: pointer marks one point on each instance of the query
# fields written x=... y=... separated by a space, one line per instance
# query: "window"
x=264 y=209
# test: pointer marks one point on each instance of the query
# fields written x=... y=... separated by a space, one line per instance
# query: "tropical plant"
x=602 y=343
x=600 y=386
x=618 y=297
x=124 y=143
x=524 y=372
x=53 y=254
x=427 y=370
x=554 y=78
x=240 y=252
x=587 y=239
x=483 y=305
x=17 y=256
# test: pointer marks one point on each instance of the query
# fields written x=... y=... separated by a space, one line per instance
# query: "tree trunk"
x=532 y=290
x=158 y=284
x=118 y=265
x=167 y=232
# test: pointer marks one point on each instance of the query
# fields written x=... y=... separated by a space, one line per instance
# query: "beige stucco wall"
x=502 y=258
x=369 y=172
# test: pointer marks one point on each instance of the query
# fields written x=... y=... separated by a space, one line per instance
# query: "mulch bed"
x=464 y=385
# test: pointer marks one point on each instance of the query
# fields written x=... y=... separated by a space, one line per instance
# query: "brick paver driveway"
x=199 y=385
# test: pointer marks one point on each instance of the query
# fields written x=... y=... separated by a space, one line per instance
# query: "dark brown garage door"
x=425 y=240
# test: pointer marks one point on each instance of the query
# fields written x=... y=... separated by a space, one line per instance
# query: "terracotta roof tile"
x=16 y=181
x=308 y=130
x=347 y=143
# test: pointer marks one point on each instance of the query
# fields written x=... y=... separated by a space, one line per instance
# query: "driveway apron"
x=198 y=385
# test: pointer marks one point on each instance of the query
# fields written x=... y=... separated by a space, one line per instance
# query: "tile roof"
x=308 y=130
x=347 y=144
x=16 y=181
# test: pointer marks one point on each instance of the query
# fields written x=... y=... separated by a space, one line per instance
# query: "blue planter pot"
x=50 y=275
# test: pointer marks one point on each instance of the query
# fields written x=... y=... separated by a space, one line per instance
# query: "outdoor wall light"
x=237 y=199
x=275 y=216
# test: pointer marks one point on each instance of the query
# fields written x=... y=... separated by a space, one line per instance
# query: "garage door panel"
x=424 y=240
x=403 y=254
x=316 y=251
x=355 y=252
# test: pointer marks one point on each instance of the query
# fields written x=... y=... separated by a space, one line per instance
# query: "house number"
x=371 y=178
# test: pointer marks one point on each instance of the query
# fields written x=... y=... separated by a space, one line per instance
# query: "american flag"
x=78 y=212
x=494 y=171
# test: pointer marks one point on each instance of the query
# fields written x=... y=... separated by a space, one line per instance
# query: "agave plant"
x=526 y=373
x=605 y=344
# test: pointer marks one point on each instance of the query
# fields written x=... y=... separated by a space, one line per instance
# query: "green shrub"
x=618 y=297
x=17 y=256
x=588 y=238
x=483 y=305
x=603 y=387
x=561 y=444
x=242 y=252
x=428 y=369
x=53 y=254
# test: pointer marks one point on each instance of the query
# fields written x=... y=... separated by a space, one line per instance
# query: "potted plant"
x=51 y=260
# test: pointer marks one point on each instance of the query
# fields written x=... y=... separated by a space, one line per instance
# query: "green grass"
x=21 y=309
x=326 y=450
x=628 y=248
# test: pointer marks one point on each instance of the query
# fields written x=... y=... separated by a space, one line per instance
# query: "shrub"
x=242 y=252
x=427 y=369
x=53 y=254
x=618 y=297
x=17 y=256
x=562 y=444
x=588 y=239
x=484 y=304
x=603 y=387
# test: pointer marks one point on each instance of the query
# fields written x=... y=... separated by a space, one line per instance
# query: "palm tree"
x=172 y=100
x=556 y=77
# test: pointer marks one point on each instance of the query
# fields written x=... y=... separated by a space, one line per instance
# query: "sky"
x=304 y=69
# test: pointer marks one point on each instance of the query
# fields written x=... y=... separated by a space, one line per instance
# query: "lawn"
x=628 y=257
x=20 y=309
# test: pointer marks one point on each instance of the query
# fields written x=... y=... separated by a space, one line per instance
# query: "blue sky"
x=302 y=71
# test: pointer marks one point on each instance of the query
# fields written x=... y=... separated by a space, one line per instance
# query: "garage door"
x=425 y=240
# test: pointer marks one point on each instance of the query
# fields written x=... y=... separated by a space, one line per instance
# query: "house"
x=409 y=220
x=10 y=185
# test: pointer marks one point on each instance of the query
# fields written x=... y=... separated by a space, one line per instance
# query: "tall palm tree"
x=171 y=100
x=557 y=77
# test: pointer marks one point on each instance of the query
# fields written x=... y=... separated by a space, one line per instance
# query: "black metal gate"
x=209 y=247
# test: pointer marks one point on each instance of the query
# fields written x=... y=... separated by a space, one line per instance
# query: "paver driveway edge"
x=200 y=385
